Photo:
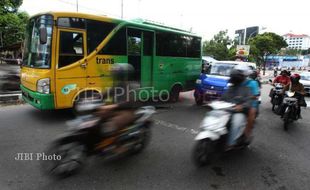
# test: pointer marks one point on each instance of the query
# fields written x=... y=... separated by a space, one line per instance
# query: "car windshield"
x=305 y=77
x=221 y=69
x=37 y=55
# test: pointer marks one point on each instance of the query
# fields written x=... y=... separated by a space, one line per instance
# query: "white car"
x=305 y=80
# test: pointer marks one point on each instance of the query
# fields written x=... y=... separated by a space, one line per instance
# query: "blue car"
x=212 y=84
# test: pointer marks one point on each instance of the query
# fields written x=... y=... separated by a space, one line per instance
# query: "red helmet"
x=295 y=78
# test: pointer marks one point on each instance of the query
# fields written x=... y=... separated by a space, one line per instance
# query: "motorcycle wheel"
x=286 y=121
x=143 y=140
x=273 y=106
x=72 y=157
x=202 y=153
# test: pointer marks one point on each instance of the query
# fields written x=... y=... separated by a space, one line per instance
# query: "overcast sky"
x=204 y=17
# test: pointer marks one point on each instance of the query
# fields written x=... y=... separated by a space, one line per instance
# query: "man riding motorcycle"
x=283 y=79
x=242 y=97
x=121 y=113
x=299 y=90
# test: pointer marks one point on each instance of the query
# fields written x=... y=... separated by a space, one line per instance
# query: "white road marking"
x=175 y=126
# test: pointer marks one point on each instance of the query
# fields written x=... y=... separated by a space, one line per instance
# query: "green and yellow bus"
x=68 y=55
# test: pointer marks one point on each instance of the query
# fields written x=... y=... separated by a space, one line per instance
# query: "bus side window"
x=70 y=48
x=117 y=45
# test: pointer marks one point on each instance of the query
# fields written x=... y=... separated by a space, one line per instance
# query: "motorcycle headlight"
x=290 y=94
x=43 y=86
x=198 y=81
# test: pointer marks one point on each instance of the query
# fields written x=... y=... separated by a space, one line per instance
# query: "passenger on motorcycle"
x=241 y=96
x=121 y=113
x=253 y=85
x=299 y=90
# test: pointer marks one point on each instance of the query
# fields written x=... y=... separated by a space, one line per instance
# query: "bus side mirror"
x=43 y=35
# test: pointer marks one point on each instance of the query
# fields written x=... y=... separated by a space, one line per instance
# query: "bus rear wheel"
x=175 y=93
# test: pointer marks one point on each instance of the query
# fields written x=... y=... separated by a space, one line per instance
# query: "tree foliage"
x=217 y=47
x=12 y=22
x=265 y=44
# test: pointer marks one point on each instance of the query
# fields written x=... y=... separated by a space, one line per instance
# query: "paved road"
x=276 y=160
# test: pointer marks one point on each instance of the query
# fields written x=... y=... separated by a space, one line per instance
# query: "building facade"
x=299 y=42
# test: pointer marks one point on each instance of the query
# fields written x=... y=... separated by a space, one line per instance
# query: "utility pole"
x=122 y=8
x=77 y=6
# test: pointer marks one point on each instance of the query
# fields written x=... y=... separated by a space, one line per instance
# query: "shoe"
x=244 y=141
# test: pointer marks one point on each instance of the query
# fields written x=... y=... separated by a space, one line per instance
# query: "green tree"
x=12 y=22
x=265 y=44
x=217 y=47
x=305 y=52
x=291 y=52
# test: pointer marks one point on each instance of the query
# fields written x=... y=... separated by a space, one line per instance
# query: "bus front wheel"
x=84 y=98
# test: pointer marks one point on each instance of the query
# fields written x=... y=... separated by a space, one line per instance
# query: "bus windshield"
x=220 y=69
x=37 y=55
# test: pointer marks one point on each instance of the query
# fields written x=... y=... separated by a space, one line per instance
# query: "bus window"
x=71 y=22
x=134 y=52
x=134 y=45
x=96 y=32
x=71 y=48
x=117 y=45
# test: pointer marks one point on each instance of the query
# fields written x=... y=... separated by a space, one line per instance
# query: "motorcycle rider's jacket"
x=239 y=95
x=295 y=88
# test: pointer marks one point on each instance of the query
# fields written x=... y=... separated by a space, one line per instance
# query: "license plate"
x=211 y=92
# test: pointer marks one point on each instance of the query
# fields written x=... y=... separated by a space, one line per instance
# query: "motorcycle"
x=85 y=138
x=212 y=138
x=290 y=105
x=277 y=96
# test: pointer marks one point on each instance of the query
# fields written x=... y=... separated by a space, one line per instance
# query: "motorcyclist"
x=299 y=90
x=283 y=79
x=275 y=71
x=241 y=96
x=121 y=113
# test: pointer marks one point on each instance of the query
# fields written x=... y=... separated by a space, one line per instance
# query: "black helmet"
x=284 y=72
x=237 y=77
x=122 y=71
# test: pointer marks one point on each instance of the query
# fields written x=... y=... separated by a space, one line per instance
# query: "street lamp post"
x=250 y=36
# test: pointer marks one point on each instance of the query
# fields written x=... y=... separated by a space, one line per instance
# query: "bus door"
x=70 y=67
x=140 y=55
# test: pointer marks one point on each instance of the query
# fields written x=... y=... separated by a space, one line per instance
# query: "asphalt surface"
x=275 y=160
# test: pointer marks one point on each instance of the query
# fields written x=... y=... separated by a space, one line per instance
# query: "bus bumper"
x=38 y=100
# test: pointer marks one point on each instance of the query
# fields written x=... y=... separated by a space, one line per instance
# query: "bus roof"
x=135 y=22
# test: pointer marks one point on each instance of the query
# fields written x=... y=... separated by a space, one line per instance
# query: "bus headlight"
x=43 y=86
